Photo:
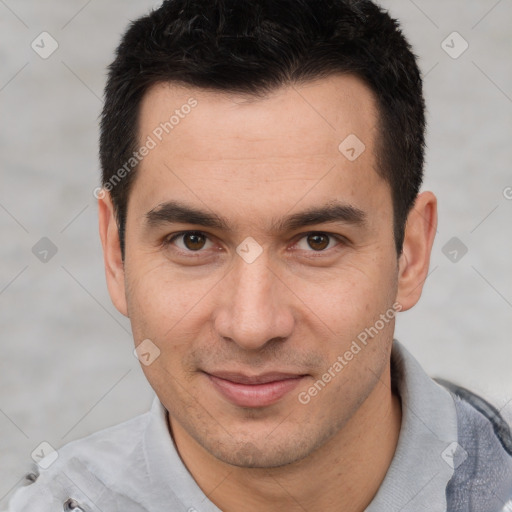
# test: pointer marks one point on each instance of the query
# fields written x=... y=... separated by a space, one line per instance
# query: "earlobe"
x=112 y=258
x=414 y=261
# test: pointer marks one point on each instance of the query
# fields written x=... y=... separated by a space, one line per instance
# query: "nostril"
x=72 y=506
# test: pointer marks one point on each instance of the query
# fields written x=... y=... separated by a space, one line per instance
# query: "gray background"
x=66 y=365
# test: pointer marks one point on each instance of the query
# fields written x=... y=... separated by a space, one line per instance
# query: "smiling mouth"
x=254 y=391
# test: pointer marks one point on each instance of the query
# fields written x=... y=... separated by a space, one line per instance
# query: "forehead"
x=219 y=146
x=293 y=120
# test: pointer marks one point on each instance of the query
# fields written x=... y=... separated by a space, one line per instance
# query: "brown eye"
x=318 y=241
x=189 y=241
x=194 y=241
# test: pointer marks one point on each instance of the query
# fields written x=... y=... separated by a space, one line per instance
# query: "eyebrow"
x=172 y=212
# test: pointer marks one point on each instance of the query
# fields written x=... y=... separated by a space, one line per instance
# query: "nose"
x=256 y=305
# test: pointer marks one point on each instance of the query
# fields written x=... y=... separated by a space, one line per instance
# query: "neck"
x=344 y=474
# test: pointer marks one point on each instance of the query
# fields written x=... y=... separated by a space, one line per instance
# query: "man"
x=262 y=226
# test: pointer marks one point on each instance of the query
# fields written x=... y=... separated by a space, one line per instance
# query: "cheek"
x=168 y=314
x=156 y=301
x=351 y=297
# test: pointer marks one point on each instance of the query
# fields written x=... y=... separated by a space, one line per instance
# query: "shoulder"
x=83 y=469
x=482 y=456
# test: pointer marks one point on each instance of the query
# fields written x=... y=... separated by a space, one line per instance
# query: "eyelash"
x=170 y=239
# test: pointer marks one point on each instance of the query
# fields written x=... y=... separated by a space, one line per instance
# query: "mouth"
x=254 y=391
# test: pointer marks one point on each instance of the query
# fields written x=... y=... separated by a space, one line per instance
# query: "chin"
x=265 y=453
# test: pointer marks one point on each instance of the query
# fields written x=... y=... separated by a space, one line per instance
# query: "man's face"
x=260 y=295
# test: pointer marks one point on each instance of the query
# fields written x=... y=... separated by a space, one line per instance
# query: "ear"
x=414 y=261
x=114 y=267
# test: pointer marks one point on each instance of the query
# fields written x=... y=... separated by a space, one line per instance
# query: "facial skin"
x=293 y=309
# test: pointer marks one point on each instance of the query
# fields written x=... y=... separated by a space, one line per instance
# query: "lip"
x=254 y=391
